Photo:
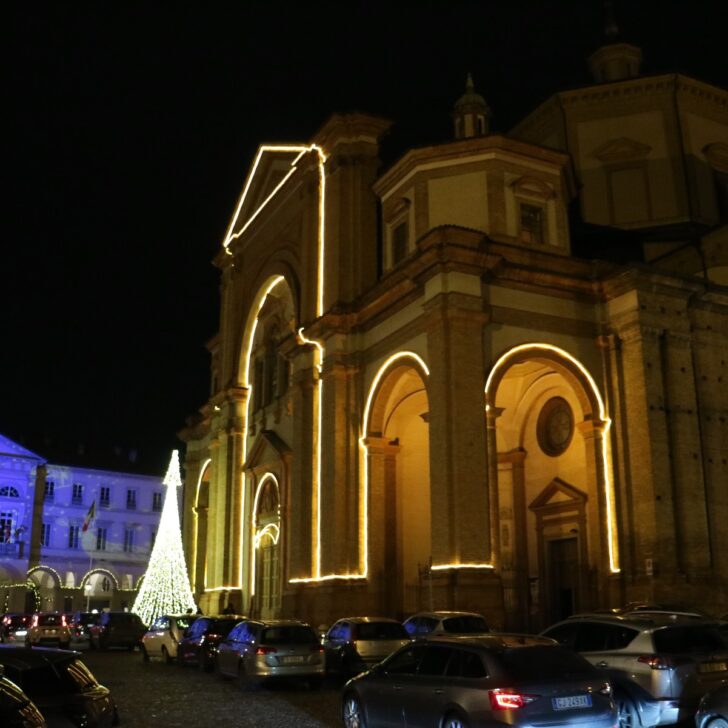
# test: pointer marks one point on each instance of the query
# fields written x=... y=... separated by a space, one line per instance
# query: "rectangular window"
x=399 y=242
x=153 y=539
x=73 y=532
x=157 y=501
x=50 y=488
x=6 y=527
x=45 y=534
x=129 y=540
x=101 y=539
x=77 y=496
x=105 y=496
x=131 y=500
x=531 y=223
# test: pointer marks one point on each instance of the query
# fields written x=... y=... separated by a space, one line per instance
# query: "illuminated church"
x=445 y=384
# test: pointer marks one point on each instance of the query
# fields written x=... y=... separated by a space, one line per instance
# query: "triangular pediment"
x=273 y=164
x=8 y=448
x=558 y=493
x=268 y=448
x=622 y=149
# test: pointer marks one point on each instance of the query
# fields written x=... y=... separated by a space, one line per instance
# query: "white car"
x=162 y=637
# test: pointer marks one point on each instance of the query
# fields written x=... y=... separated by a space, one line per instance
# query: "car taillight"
x=658 y=662
x=509 y=699
x=35 y=621
x=63 y=620
x=212 y=637
x=317 y=648
x=265 y=650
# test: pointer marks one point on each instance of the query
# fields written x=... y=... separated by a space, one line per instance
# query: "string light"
x=166 y=586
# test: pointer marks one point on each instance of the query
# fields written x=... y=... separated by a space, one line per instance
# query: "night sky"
x=132 y=127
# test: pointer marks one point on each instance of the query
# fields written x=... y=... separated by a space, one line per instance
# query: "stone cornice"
x=465 y=150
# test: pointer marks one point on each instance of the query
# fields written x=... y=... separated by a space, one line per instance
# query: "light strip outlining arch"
x=533 y=349
x=196 y=522
x=268 y=529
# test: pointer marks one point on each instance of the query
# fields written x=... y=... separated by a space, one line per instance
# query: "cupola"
x=615 y=60
x=471 y=115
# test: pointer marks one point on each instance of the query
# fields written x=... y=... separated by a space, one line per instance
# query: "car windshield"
x=50 y=620
x=545 y=663
x=691 y=638
x=380 y=631
x=184 y=622
x=288 y=634
x=465 y=625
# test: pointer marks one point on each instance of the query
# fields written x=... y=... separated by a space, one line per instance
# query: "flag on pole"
x=89 y=517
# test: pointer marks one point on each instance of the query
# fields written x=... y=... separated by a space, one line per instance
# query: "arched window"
x=9 y=492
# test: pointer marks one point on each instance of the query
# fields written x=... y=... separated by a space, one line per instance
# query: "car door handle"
x=602 y=664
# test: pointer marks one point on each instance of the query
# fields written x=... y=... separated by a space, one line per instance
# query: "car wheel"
x=454 y=721
x=145 y=654
x=203 y=663
x=353 y=713
x=166 y=656
x=627 y=716
x=717 y=723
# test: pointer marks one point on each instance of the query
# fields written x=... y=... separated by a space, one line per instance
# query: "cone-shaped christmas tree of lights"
x=166 y=586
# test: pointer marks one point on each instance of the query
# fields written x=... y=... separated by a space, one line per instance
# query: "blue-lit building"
x=72 y=537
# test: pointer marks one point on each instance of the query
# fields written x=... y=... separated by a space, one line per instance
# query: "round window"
x=555 y=426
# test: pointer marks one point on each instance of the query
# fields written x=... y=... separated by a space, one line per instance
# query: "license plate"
x=293 y=660
x=572 y=701
x=712 y=667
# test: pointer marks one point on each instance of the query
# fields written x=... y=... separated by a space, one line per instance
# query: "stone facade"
x=446 y=407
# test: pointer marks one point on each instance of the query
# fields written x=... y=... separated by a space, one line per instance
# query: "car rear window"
x=544 y=663
x=50 y=620
x=221 y=626
x=18 y=620
x=288 y=634
x=690 y=639
x=51 y=679
x=380 y=631
x=464 y=625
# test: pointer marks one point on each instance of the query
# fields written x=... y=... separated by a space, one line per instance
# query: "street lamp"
x=88 y=588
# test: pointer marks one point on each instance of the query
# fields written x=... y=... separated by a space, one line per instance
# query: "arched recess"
x=266 y=560
x=396 y=442
x=549 y=454
x=48 y=581
x=199 y=540
x=99 y=587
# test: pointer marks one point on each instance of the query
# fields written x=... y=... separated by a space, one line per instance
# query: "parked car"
x=60 y=685
x=425 y=624
x=117 y=629
x=15 y=627
x=48 y=628
x=17 y=710
x=713 y=709
x=80 y=625
x=282 y=648
x=356 y=643
x=200 y=640
x=479 y=681
x=659 y=665
x=162 y=637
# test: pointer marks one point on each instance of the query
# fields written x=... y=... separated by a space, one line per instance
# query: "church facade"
x=424 y=397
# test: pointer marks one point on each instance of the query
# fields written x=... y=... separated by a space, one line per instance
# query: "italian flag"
x=89 y=517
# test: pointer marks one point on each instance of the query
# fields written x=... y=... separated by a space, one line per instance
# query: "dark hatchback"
x=117 y=629
x=480 y=682
x=199 y=642
x=60 y=685
x=14 y=628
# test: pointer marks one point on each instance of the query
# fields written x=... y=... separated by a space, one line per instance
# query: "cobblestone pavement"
x=160 y=695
